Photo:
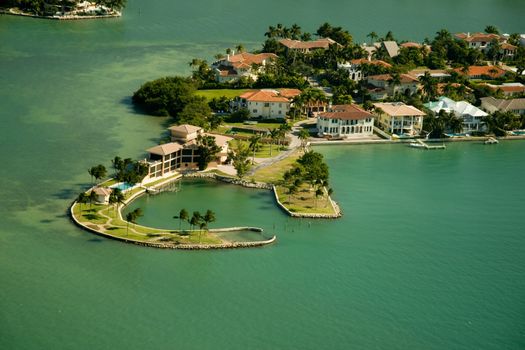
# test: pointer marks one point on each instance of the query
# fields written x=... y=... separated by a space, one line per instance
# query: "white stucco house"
x=345 y=121
x=355 y=67
x=472 y=116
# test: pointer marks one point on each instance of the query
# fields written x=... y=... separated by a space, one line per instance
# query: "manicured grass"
x=229 y=93
x=274 y=174
x=304 y=201
x=264 y=150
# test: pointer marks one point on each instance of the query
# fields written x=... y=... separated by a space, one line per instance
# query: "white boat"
x=491 y=141
x=416 y=145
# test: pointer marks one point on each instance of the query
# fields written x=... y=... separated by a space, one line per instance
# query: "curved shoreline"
x=172 y=245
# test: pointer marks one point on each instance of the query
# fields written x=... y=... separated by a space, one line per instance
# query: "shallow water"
x=429 y=253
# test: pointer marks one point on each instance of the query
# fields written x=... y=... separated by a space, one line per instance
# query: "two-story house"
x=399 y=119
x=243 y=64
x=471 y=116
x=345 y=121
x=266 y=103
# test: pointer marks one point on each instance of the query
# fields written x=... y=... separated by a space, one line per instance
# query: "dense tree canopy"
x=165 y=96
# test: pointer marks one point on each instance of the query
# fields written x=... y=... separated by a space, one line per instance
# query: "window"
x=280 y=113
x=266 y=104
x=254 y=111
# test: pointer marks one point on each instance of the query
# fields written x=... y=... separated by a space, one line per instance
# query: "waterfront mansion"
x=182 y=153
x=399 y=119
x=266 y=103
x=345 y=121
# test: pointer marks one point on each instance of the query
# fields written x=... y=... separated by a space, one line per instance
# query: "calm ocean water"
x=429 y=253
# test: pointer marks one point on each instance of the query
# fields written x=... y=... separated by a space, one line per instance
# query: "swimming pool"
x=123 y=186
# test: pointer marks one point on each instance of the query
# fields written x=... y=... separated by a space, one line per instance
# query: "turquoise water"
x=123 y=186
x=429 y=253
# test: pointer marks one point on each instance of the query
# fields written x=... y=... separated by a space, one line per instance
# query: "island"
x=64 y=9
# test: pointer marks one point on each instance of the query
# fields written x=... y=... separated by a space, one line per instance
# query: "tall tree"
x=255 y=142
x=183 y=216
x=238 y=155
x=208 y=150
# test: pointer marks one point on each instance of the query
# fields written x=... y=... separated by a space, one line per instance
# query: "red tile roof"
x=374 y=62
x=411 y=44
x=264 y=96
x=405 y=78
x=246 y=59
x=477 y=37
x=481 y=71
x=346 y=112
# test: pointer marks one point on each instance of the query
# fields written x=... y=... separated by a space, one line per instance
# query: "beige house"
x=103 y=194
x=267 y=104
x=399 y=119
x=345 y=121
x=183 y=153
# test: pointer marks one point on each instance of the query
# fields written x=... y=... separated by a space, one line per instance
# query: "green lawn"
x=229 y=93
x=264 y=150
x=304 y=201
x=274 y=174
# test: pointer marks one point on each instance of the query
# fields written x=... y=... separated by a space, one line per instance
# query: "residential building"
x=345 y=121
x=509 y=89
x=479 y=41
x=243 y=64
x=381 y=86
x=308 y=46
x=399 y=119
x=313 y=108
x=491 y=105
x=483 y=72
x=182 y=153
x=472 y=116
x=355 y=67
x=103 y=194
x=266 y=103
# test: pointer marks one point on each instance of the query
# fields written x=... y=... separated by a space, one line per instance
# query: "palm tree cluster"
x=196 y=220
x=238 y=155
x=128 y=170
x=443 y=122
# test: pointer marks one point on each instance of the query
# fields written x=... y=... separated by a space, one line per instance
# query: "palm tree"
x=373 y=37
x=274 y=135
x=92 y=171
x=208 y=217
x=395 y=80
x=304 y=135
x=132 y=217
x=329 y=193
x=183 y=215
x=239 y=48
x=429 y=85
x=195 y=219
x=92 y=198
x=295 y=31
x=82 y=198
x=272 y=32
x=255 y=141
x=119 y=196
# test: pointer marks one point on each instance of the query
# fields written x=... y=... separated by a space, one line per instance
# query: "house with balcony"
x=472 y=117
x=399 y=119
x=182 y=153
x=266 y=103
x=345 y=121
x=243 y=64
x=479 y=41
x=382 y=86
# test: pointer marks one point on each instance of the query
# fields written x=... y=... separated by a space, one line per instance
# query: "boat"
x=416 y=145
x=491 y=141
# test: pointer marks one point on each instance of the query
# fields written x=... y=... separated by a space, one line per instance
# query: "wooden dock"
x=427 y=146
